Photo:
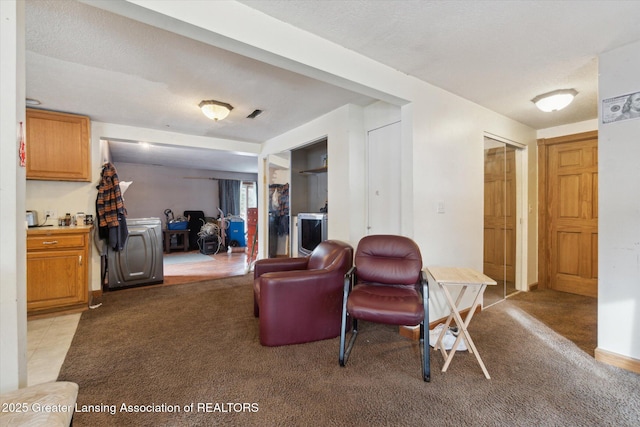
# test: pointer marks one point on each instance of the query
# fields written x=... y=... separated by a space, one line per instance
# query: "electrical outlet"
x=51 y=214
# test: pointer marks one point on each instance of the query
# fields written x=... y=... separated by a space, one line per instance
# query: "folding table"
x=450 y=277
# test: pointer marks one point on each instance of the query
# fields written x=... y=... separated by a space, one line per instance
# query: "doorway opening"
x=200 y=265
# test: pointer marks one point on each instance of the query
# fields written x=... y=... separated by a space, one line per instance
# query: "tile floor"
x=48 y=341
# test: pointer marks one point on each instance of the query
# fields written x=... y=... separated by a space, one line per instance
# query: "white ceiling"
x=499 y=54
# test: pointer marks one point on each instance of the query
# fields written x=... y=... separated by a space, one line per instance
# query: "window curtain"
x=229 y=191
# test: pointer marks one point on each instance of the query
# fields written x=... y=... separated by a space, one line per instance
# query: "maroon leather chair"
x=386 y=285
x=299 y=300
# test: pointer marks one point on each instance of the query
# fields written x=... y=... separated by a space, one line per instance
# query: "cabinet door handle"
x=80 y=259
x=52 y=242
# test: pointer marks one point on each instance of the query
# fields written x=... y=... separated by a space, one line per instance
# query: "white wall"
x=13 y=302
x=619 y=211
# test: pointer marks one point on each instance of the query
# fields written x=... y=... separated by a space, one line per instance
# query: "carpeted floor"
x=173 y=347
x=572 y=316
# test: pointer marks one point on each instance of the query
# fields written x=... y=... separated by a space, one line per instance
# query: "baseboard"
x=533 y=286
x=55 y=312
x=96 y=297
x=614 y=359
x=411 y=332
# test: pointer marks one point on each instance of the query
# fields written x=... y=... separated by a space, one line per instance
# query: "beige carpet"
x=197 y=344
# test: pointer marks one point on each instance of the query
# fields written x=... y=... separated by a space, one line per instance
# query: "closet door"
x=383 y=178
x=500 y=219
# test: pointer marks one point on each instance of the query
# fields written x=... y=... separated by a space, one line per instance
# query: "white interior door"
x=383 y=173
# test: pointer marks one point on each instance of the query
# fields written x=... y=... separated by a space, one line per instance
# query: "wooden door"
x=570 y=214
x=383 y=172
x=500 y=214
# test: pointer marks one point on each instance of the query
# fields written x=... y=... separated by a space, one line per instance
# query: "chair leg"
x=342 y=358
x=344 y=353
x=343 y=333
x=426 y=365
x=424 y=335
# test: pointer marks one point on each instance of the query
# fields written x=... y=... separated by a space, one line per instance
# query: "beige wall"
x=156 y=188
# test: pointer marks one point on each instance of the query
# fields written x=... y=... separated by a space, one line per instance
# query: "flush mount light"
x=215 y=110
x=554 y=101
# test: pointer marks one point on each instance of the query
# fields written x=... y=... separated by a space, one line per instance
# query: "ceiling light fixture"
x=215 y=110
x=554 y=101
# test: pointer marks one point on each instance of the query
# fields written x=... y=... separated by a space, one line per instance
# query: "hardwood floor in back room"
x=221 y=265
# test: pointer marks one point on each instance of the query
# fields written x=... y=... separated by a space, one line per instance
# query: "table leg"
x=438 y=344
x=185 y=241
x=167 y=242
x=463 y=324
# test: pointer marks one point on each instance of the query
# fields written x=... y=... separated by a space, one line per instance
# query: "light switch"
x=440 y=208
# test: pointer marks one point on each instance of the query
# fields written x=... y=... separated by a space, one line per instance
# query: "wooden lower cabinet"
x=58 y=262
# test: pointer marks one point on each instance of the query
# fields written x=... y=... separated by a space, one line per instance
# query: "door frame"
x=522 y=211
x=543 y=212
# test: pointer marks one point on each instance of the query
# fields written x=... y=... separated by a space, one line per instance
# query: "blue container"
x=236 y=232
x=181 y=225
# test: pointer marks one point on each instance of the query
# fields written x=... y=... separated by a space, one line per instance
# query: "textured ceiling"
x=499 y=54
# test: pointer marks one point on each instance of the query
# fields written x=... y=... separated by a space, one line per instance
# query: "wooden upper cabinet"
x=58 y=146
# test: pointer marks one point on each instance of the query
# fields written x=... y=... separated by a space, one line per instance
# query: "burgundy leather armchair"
x=299 y=300
x=386 y=285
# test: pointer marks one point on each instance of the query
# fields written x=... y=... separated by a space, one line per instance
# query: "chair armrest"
x=424 y=285
x=292 y=290
x=424 y=290
x=349 y=280
x=269 y=265
x=293 y=278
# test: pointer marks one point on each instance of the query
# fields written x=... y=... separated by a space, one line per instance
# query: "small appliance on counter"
x=32 y=218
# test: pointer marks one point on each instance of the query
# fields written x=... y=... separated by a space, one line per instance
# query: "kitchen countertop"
x=55 y=229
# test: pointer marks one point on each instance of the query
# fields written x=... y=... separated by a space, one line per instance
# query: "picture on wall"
x=621 y=108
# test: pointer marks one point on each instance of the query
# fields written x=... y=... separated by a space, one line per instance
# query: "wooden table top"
x=459 y=276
